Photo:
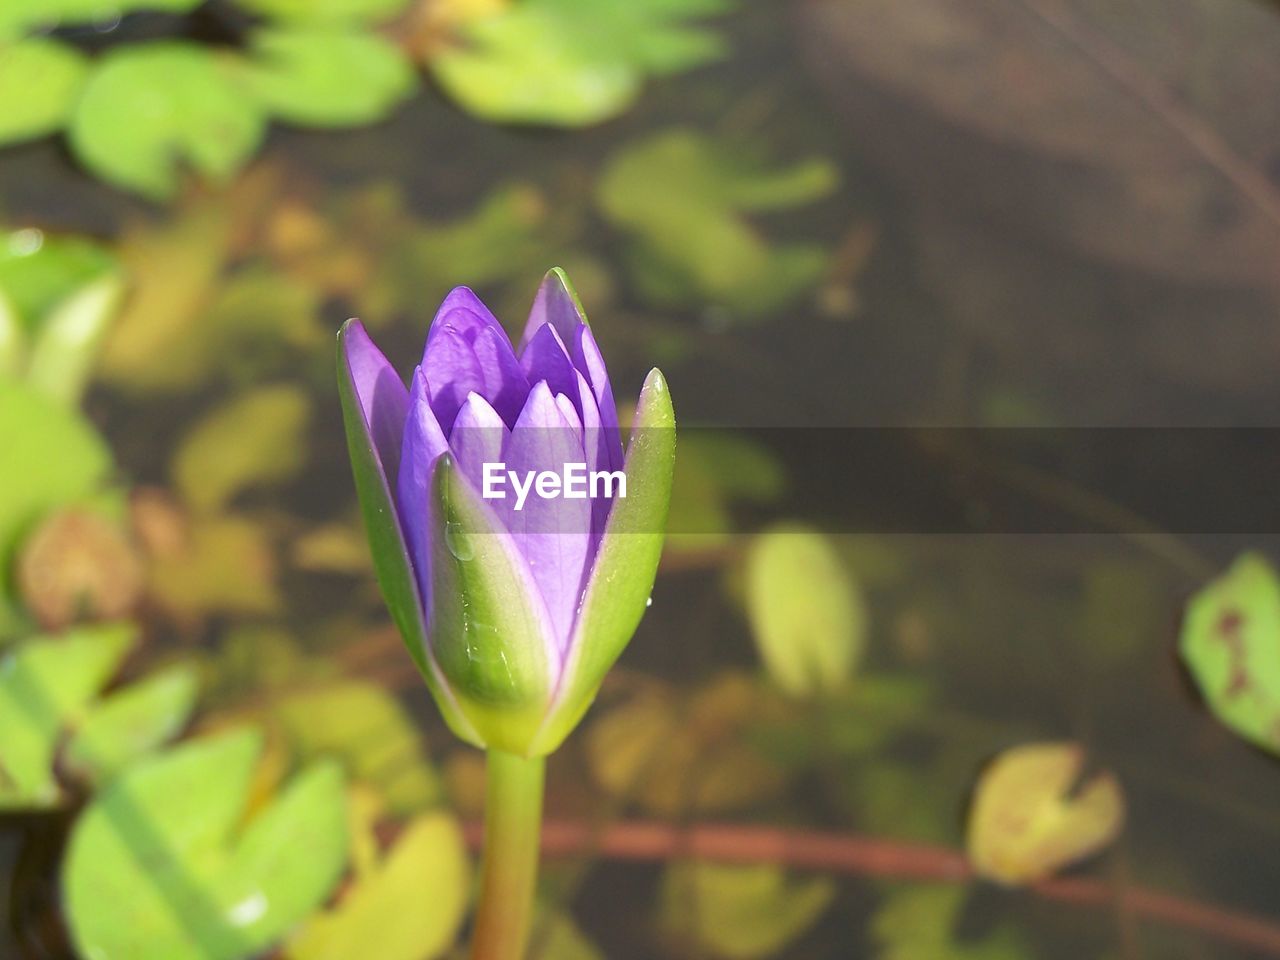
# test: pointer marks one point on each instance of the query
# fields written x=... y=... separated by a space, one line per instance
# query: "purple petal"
x=544 y=357
x=423 y=443
x=477 y=438
x=467 y=350
x=556 y=306
x=590 y=363
x=553 y=534
x=382 y=395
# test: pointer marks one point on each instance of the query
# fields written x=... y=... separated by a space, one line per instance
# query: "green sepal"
x=622 y=579
x=489 y=625
x=390 y=554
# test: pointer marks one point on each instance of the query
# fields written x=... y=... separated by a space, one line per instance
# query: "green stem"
x=512 y=823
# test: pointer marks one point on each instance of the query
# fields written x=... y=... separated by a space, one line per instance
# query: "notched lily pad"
x=196 y=882
x=1031 y=817
x=1231 y=644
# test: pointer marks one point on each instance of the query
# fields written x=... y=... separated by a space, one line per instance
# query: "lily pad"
x=741 y=913
x=410 y=902
x=39 y=82
x=49 y=14
x=147 y=110
x=189 y=879
x=682 y=198
x=806 y=611
x=328 y=77
x=46 y=685
x=1031 y=816
x=326 y=11
x=1231 y=644
x=566 y=63
x=256 y=439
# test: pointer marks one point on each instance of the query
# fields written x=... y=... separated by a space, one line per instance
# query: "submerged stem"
x=513 y=818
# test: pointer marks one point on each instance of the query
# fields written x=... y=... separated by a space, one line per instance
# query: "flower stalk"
x=513 y=817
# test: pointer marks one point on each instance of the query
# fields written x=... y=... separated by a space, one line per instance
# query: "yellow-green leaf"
x=1031 y=816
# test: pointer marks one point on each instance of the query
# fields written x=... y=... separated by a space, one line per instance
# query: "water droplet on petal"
x=458 y=542
x=648 y=603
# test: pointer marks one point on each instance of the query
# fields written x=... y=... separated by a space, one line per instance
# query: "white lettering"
x=573 y=483
x=494 y=476
x=617 y=477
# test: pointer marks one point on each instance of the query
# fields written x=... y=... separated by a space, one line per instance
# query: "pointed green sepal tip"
x=622 y=579
x=489 y=628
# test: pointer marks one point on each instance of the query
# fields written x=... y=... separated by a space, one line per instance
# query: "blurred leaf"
x=48 y=14
x=806 y=612
x=559 y=938
x=326 y=11
x=174 y=270
x=681 y=197
x=145 y=109
x=78 y=565
x=132 y=722
x=713 y=471
x=741 y=913
x=258 y=438
x=1231 y=644
x=56 y=458
x=222 y=564
x=919 y=923
x=1031 y=816
x=566 y=63
x=328 y=76
x=39 y=82
x=676 y=759
x=167 y=838
x=333 y=548
x=66 y=348
x=365 y=727
x=40 y=270
x=410 y=902
x=46 y=685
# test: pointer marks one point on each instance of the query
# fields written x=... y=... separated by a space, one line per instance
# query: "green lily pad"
x=328 y=77
x=39 y=82
x=741 y=913
x=365 y=727
x=39 y=270
x=188 y=879
x=46 y=685
x=682 y=198
x=410 y=902
x=57 y=458
x=566 y=63
x=1231 y=643
x=16 y=18
x=257 y=438
x=326 y=11
x=133 y=722
x=146 y=110
x=806 y=611
x=918 y=923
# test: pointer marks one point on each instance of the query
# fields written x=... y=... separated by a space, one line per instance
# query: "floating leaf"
x=255 y=439
x=133 y=722
x=39 y=82
x=78 y=565
x=567 y=63
x=167 y=838
x=682 y=197
x=46 y=685
x=1231 y=643
x=410 y=902
x=677 y=758
x=741 y=913
x=174 y=269
x=1031 y=816
x=66 y=347
x=806 y=612
x=49 y=14
x=39 y=270
x=147 y=108
x=326 y=11
x=369 y=731
x=328 y=77
x=57 y=458
x=919 y=923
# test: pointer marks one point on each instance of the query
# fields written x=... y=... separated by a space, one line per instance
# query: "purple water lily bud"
x=514 y=539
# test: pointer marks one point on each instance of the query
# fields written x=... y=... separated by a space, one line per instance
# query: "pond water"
x=1020 y=240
